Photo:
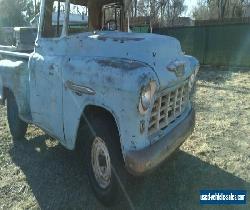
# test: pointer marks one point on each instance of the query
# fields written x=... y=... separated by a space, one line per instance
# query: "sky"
x=191 y=4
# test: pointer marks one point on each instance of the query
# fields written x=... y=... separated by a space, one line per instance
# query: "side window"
x=78 y=19
x=53 y=18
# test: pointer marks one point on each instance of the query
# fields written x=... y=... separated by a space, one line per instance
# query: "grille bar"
x=167 y=108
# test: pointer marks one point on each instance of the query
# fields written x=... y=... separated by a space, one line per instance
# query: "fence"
x=140 y=29
x=219 y=45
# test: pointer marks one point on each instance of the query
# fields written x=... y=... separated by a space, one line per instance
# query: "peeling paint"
x=119 y=39
x=106 y=69
x=124 y=64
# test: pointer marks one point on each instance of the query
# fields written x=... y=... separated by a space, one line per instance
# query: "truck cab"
x=123 y=98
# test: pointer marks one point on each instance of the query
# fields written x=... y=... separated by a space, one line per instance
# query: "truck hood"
x=157 y=51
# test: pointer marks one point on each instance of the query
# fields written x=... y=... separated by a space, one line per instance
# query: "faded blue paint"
x=117 y=76
x=114 y=65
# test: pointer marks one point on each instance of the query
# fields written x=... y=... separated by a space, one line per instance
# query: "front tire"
x=18 y=128
x=104 y=161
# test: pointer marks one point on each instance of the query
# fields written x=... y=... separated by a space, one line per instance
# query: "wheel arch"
x=4 y=94
x=96 y=111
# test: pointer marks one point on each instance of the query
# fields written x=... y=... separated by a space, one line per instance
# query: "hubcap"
x=101 y=163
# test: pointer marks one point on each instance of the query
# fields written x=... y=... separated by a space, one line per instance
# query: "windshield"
x=105 y=15
x=112 y=17
x=78 y=19
x=84 y=16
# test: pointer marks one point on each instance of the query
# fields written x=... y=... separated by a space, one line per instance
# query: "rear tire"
x=18 y=128
x=104 y=161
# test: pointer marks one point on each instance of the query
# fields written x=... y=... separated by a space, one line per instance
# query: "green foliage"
x=16 y=12
x=164 y=12
x=220 y=9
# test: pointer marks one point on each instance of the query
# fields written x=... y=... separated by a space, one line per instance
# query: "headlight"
x=197 y=68
x=146 y=97
x=192 y=79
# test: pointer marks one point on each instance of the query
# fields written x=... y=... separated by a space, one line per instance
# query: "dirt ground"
x=38 y=173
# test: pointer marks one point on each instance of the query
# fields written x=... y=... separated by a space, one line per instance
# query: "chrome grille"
x=167 y=108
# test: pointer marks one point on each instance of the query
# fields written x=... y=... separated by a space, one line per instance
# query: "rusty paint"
x=81 y=69
x=79 y=89
x=110 y=79
x=123 y=64
x=177 y=67
x=119 y=39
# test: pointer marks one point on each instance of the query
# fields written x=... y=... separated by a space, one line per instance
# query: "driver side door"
x=46 y=86
x=46 y=83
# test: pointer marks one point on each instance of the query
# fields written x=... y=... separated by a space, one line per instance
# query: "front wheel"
x=104 y=162
x=17 y=127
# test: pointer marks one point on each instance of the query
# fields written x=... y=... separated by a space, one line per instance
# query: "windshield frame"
x=118 y=20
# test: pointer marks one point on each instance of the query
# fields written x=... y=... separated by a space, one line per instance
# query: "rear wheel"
x=17 y=127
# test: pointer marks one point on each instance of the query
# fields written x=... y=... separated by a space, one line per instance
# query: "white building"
x=73 y=18
x=76 y=19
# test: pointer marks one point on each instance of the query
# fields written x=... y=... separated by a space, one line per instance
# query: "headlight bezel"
x=192 y=79
x=146 y=97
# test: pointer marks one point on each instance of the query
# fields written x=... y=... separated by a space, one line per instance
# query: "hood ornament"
x=177 y=67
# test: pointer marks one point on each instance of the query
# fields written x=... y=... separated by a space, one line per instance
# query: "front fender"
x=124 y=111
x=116 y=84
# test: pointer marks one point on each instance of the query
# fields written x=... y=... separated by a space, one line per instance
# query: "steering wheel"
x=110 y=25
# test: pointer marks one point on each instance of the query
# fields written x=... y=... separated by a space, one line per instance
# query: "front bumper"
x=142 y=161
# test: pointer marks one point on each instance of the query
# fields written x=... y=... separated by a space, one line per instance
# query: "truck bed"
x=20 y=39
x=14 y=77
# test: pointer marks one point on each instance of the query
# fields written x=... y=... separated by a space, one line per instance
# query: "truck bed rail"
x=15 y=54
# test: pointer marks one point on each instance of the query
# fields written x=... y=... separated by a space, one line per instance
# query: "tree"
x=219 y=9
x=162 y=11
x=16 y=12
x=201 y=11
x=174 y=9
x=11 y=13
x=134 y=8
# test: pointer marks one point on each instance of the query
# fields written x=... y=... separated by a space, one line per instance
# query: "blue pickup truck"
x=122 y=99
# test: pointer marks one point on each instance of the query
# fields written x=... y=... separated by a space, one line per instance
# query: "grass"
x=40 y=174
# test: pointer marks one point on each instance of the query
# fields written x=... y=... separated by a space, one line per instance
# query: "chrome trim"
x=140 y=162
x=177 y=67
x=79 y=89
x=168 y=107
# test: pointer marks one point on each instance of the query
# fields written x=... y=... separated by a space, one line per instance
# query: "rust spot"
x=120 y=39
x=110 y=79
x=51 y=67
x=102 y=38
x=120 y=64
x=81 y=43
x=143 y=79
